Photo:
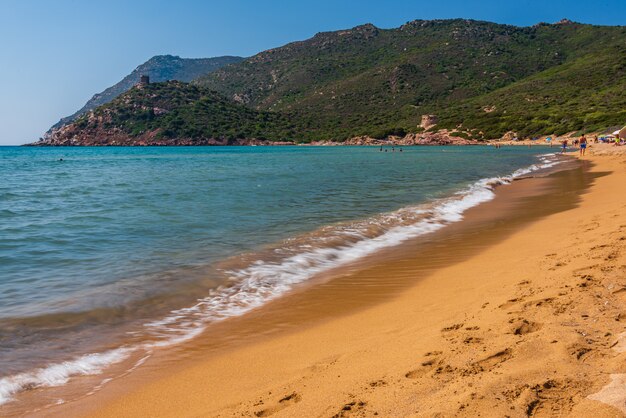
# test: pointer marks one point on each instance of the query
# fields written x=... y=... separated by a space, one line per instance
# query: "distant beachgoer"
x=617 y=141
x=381 y=148
x=400 y=149
x=583 y=145
x=595 y=139
x=563 y=146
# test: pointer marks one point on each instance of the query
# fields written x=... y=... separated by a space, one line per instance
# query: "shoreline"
x=431 y=216
x=353 y=142
x=334 y=329
x=373 y=144
x=466 y=339
x=197 y=357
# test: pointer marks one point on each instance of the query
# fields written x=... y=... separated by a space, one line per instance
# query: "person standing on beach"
x=563 y=146
x=583 y=145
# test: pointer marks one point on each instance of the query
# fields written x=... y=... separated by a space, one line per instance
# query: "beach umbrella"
x=622 y=132
x=548 y=139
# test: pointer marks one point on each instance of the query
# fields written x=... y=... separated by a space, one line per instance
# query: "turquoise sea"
x=120 y=249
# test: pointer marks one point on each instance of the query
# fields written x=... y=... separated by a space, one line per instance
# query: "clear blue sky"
x=55 y=54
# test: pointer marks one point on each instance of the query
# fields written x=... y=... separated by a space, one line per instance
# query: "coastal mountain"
x=480 y=79
x=483 y=76
x=172 y=113
x=158 y=68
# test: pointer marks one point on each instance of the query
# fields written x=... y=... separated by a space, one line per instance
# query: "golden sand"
x=531 y=324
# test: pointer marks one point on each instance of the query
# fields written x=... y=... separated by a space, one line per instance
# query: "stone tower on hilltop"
x=144 y=80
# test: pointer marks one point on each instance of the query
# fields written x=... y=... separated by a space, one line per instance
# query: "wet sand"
x=515 y=311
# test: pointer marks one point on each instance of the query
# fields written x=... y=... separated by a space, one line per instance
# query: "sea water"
x=107 y=251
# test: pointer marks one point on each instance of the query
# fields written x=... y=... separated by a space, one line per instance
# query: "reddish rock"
x=71 y=135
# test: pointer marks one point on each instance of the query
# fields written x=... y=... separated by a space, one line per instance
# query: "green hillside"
x=583 y=94
x=481 y=78
x=373 y=81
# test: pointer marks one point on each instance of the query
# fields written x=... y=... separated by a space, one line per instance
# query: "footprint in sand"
x=526 y=327
x=491 y=361
x=579 y=351
x=377 y=383
x=591 y=226
x=509 y=303
x=350 y=408
x=283 y=403
x=472 y=340
x=545 y=398
x=538 y=302
x=612 y=255
x=452 y=327
x=559 y=264
x=426 y=367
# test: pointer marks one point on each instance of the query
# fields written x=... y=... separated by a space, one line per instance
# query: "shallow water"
x=128 y=247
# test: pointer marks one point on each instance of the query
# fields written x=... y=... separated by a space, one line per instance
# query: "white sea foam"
x=263 y=281
x=60 y=373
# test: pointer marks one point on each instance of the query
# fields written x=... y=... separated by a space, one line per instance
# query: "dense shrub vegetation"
x=482 y=78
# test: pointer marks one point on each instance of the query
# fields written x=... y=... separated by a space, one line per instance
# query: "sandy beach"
x=528 y=320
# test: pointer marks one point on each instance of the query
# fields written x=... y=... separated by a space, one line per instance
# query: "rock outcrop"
x=442 y=137
x=428 y=121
